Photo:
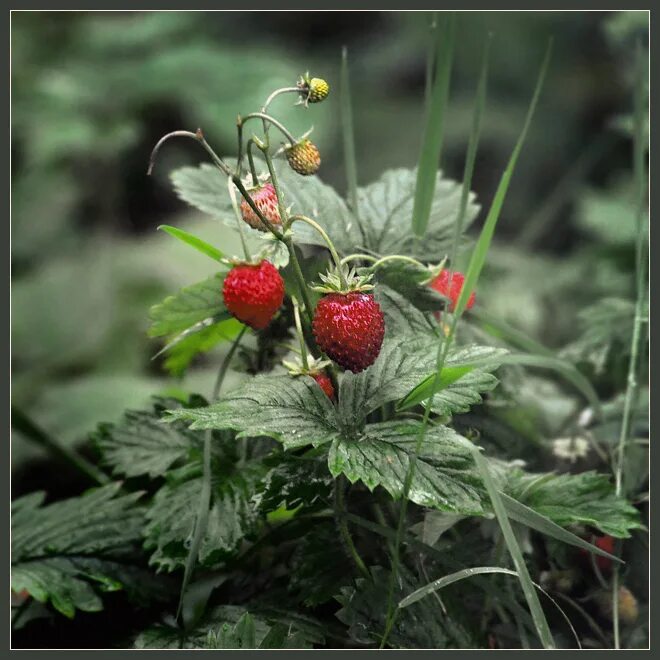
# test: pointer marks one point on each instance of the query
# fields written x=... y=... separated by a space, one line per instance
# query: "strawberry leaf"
x=444 y=476
x=232 y=515
x=69 y=551
x=294 y=411
x=189 y=306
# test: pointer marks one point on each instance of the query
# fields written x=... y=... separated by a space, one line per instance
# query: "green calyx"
x=312 y=90
x=314 y=366
x=344 y=282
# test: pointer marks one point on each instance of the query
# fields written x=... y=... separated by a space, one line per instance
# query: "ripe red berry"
x=349 y=328
x=450 y=285
x=605 y=543
x=325 y=383
x=253 y=293
x=265 y=199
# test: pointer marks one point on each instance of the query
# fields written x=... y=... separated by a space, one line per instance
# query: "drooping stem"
x=342 y=525
x=239 y=218
x=299 y=332
x=277 y=92
x=358 y=257
x=397 y=257
x=326 y=238
x=271 y=120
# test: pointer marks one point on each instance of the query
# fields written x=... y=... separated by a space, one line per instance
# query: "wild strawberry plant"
x=333 y=498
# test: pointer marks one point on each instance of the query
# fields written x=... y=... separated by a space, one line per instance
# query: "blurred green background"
x=92 y=93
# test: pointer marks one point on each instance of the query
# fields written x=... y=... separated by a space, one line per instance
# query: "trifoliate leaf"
x=444 y=476
x=401 y=317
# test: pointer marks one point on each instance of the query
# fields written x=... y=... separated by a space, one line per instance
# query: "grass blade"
x=450 y=579
x=479 y=570
x=471 y=154
x=193 y=241
x=427 y=169
x=480 y=251
x=526 y=583
x=431 y=54
x=346 y=110
x=526 y=516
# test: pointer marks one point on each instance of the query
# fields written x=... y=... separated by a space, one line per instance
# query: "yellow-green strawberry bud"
x=304 y=157
x=318 y=90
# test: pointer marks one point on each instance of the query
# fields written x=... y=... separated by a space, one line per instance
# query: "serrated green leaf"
x=232 y=515
x=400 y=316
x=231 y=627
x=294 y=411
x=527 y=516
x=405 y=363
x=142 y=444
x=386 y=208
x=411 y=281
x=364 y=610
x=68 y=551
x=182 y=352
x=189 y=306
x=444 y=477
x=204 y=188
x=295 y=482
x=587 y=498
x=194 y=241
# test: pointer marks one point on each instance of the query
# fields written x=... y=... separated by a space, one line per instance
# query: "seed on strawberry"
x=253 y=293
x=349 y=328
x=265 y=199
x=304 y=157
x=450 y=285
x=325 y=383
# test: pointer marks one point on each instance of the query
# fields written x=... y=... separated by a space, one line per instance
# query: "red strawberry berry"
x=253 y=293
x=450 y=285
x=349 y=328
x=325 y=383
x=265 y=199
x=605 y=543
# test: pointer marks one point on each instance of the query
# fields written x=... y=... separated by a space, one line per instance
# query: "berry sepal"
x=312 y=90
x=346 y=282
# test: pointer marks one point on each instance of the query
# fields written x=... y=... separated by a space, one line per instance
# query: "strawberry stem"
x=277 y=92
x=239 y=184
x=330 y=244
x=274 y=122
x=299 y=332
x=253 y=169
x=239 y=219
